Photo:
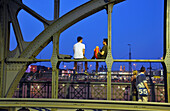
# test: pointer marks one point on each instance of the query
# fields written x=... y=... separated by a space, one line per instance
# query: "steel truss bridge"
x=14 y=63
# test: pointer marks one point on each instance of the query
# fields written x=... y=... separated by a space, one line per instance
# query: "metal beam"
x=167 y=46
x=56 y=9
x=17 y=29
x=45 y=37
x=138 y=60
x=19 y=60
x=55 y=70
x=109 y=58
x=33 y=13
x=83 y=104
x=4 y=48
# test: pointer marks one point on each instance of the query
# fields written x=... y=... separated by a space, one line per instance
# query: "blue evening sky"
x=135 y=22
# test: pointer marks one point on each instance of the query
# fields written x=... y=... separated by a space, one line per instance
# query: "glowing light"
x=64 y=66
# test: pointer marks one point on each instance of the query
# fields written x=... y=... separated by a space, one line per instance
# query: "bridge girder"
x=13 y=72
x=25 y=50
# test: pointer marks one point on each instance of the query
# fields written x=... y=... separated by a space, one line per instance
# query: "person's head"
x=142 y=69
x=105 y=41
x=79 y=39
x=135 y=72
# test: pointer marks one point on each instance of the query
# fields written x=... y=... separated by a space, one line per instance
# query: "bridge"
x=13 y=64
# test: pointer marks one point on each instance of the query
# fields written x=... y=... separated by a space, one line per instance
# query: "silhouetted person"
x=102 y=54
x=134 y=89
x=79 y=52
x=142 y=86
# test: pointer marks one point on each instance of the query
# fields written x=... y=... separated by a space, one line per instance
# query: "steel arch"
x=30 y=50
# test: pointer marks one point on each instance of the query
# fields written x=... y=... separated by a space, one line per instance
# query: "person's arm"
x=102 y=53
x=103 y=50
x=146 y=85
x=83 y=51
x=132 y=78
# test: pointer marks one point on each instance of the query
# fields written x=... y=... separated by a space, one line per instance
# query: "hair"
x=105 y=40
x=142 y=69
x=135 y=72
x=79 y=38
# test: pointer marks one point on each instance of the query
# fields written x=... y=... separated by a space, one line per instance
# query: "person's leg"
x=97 y=65
x=145 y=99
x=139 y=98
x=85 y=66
x=134 y=98
x=136 y=95
x=75 y=65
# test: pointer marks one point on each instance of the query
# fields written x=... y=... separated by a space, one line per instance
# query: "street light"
x=130 y=65
x=135 y=66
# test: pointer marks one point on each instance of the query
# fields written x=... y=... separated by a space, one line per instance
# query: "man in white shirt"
x=79 y=51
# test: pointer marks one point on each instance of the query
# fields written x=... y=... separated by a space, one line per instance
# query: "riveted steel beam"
x=33 y=13
x=54 y=62
x=84 y=104
x=17 y=29
x=56 y=9
x=20 y=60
x=44 y=38
x=167 y=47
x=4 y=45
x=109 y=58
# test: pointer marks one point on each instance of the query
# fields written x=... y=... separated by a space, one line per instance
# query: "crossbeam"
x=16 y=60
x=138 y=60
x=84 y=104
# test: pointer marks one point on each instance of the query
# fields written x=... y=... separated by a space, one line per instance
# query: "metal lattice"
x=99 y=91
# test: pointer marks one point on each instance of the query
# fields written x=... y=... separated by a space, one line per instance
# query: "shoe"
x=93 y=57
x=86 y=73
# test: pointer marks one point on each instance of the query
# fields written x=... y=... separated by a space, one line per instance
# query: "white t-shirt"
x=78 y=50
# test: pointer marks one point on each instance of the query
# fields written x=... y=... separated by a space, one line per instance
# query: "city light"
x=64 y=66
x=135 y=66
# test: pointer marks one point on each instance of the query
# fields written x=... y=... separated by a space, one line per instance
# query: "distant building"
x=33 y=68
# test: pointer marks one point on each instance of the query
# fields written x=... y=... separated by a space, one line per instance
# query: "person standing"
x=79 y=52
x=142 y=86
x=134 y=89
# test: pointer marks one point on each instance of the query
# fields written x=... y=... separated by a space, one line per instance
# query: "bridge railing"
x=82 y=90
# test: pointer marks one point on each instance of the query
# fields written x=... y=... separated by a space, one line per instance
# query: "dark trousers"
x=75 y=64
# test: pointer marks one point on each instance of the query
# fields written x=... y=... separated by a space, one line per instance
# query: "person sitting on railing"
x=102 y=54
x=79 y=52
